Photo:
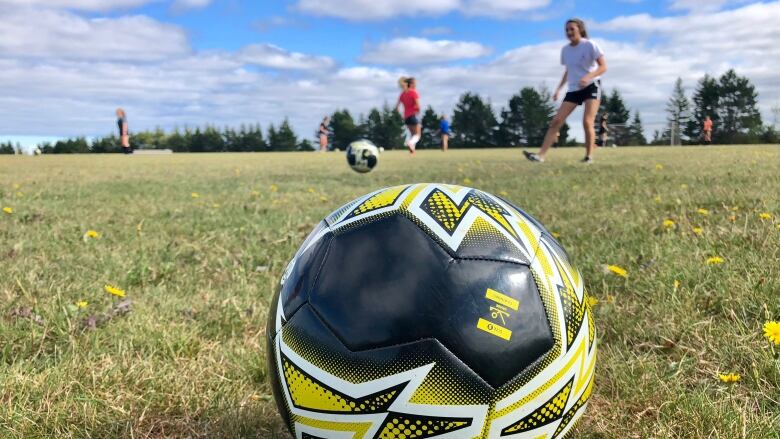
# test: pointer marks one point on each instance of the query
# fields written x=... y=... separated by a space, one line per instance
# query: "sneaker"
x=533 y=157
x=587 y=160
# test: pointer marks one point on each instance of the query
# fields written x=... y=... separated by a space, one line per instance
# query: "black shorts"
x=412 y=120
x=592 y=91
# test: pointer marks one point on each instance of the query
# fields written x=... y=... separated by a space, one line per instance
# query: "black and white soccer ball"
x=430 y=310
x=362 y=156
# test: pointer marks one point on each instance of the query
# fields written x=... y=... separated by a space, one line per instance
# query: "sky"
x=65 y=65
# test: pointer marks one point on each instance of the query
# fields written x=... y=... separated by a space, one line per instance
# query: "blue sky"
x=65 y=65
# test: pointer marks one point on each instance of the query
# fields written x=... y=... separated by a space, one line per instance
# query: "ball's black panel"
x=388 y=283
x=300 y=279
x=371 y=161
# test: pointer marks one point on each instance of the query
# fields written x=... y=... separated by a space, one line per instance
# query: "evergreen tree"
x=563 y=136
x=636 y=132
x=7 y=148
x=617 y=111
x=678 y=113
x=740 y=119
x=372 y=127
x=272 y=138
x=343 y=128
x=285 y=139
x=393 y=129
x=705 y=103
x=176 y=142
x=474 y=123
x=430 y=129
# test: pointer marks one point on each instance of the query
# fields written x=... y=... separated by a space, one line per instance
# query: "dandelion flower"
x=92 y=234
x=668 y=224
x=772 y=332
x=215 y=205
x=195 y=195
x=8 y=210
x=323 y=198
x=676 y=284
x=735 y=209
x=765 y=216
x=467 y=181
x=618 y=271
x=274 y=188
x=610 y=298
x=657 y=198
x=592 y=301
x=683 y=186
x=555 y=235
x=503 y=193
x=730 y=378
x=659 y=166
x=715 y=260
x=82 y=304
x=698 y=231
x=704 y=212
x=255 y=194
x=778 y=226
x=311 y=190
x=114 y=291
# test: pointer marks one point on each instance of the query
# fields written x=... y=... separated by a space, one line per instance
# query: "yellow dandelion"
x=311 y=190
x=778 y=226
x=255 y=194
x=683 y=186
x=92 y=234
x=503 y=193
x=323 y=198
x=8 y=210
x=657 y=199
x=467 y=181
x=592 y=301
x=274 y=188
x=698 y=231
x=556 y=235
x=733 y=218
x=704 y=212
x=715 y=260
x=17 y=186
x=610 y=298
x=735 y=209
x=668 y=224
x=765 y=216
x=114 y=291
x=82 y=304
x=195 y=195
x=730 y=378
x=215 y=205
x=676 y=285
x=659 y=166
x=618 y=271
x=772 y=332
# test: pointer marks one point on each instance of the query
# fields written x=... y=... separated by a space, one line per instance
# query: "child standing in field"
x=124 y=132
x=444 y=131
x=324 y=134
x=603 y=130
x=707 y=130
x=585 y=63
x=410 y=100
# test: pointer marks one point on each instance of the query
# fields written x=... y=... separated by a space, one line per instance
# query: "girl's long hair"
x=403 y=82
x=580 y=25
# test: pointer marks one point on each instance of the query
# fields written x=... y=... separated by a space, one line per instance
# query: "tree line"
x=731 y=101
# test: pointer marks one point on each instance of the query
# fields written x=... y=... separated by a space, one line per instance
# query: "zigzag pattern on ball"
x=385 y=198
x=309 y=394
x=403 y=426
x=448 y=214
x=551 y=411
x=309 y=436
x=573 y=308
x=573 y=411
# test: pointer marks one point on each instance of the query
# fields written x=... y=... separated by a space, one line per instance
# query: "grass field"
x=198 y=243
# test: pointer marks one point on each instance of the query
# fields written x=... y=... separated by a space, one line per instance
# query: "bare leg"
x=445 y=142
x=555 y=126
x=588 y=118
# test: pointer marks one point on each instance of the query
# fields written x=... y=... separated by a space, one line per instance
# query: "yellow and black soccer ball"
x=362 y=156
x=430 y=310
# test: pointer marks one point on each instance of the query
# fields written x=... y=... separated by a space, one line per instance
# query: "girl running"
x=444 y=130
x=324 y=134
x=124 y=133
x=410 y=99
x=585 y=64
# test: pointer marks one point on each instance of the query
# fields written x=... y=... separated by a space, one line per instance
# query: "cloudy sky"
x=65 y=65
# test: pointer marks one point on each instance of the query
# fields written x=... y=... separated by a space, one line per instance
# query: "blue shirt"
x=445 y=126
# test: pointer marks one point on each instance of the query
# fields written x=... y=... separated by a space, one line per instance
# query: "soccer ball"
x=362 y=156
x=431 y=310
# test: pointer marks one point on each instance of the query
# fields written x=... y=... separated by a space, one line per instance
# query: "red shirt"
x=708 y=125
x=409 y=100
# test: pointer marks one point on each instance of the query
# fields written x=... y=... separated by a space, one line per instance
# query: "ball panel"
x=387 y=283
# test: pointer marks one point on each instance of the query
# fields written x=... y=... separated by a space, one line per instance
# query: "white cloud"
x=376 y=10
x=81 y=5
x=698 y=6
x=412 y=51
x=182 y=5
x=436 y=31
x=268 y=55
x=62 y=34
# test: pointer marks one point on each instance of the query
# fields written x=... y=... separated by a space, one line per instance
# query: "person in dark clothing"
x=124 y=133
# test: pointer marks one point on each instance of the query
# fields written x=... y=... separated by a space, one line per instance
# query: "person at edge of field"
x=410 y=100
x=603 y=130
x=324 y=132
x=124 y=133
x=585 y=63
x=707 y=130
x=444 y=131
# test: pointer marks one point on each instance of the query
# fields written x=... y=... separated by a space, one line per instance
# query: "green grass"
x=188 y=360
